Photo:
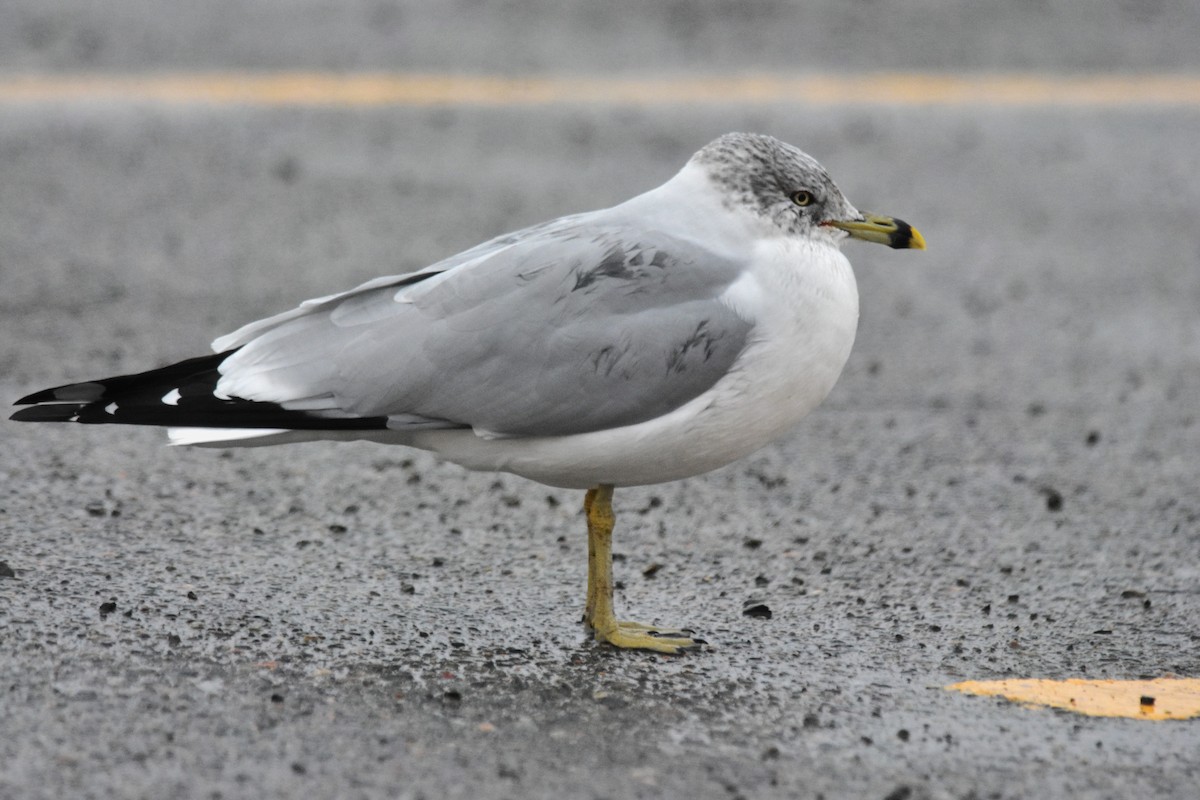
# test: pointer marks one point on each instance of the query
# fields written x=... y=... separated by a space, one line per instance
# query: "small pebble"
x=756 y=609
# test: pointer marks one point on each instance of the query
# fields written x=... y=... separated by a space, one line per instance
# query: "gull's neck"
x=691 y=203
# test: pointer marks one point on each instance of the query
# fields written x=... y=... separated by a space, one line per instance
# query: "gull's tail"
x=182 y=395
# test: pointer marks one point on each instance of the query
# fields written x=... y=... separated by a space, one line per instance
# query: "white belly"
x=804 y=302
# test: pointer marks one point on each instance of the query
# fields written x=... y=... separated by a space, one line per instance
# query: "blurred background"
x=520 y=37
x=1002 y=484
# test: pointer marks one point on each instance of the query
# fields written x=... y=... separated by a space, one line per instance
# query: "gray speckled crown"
x=761 y=173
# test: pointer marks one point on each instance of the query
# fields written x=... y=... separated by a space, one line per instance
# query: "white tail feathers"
x=224 y=437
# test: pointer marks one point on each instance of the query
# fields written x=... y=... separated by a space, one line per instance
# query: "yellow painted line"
x=408 y=89
x=1158 y=699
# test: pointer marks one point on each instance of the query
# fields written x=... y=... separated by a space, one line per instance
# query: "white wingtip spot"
x=171 y=398
x=110 y=409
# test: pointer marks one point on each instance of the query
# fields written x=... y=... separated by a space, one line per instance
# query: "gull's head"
x=788 y=189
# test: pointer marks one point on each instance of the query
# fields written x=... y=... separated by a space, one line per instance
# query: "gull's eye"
x=803 y=198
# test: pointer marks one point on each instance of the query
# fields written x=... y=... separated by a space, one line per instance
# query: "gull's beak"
x=895 y=233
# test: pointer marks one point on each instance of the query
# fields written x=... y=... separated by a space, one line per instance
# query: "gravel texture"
x=1003 y=483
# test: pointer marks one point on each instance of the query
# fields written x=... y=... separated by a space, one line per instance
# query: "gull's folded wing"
x=573 y=326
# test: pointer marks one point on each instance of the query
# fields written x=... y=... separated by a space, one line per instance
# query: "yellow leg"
x=598 y=613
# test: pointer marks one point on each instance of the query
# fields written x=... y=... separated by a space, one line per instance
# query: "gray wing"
x=566 y=328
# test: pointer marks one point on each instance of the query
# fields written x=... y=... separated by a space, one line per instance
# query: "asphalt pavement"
x=1003 y=483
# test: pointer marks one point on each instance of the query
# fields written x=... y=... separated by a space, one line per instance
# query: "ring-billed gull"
x=651 y=341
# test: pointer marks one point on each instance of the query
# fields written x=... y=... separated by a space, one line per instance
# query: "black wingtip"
x=86 y=392
x=54 y=412
x=141 y=399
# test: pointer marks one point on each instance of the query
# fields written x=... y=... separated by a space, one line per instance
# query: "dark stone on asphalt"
x=756 y=609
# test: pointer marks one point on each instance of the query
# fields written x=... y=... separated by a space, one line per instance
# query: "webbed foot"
x=638 y=636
